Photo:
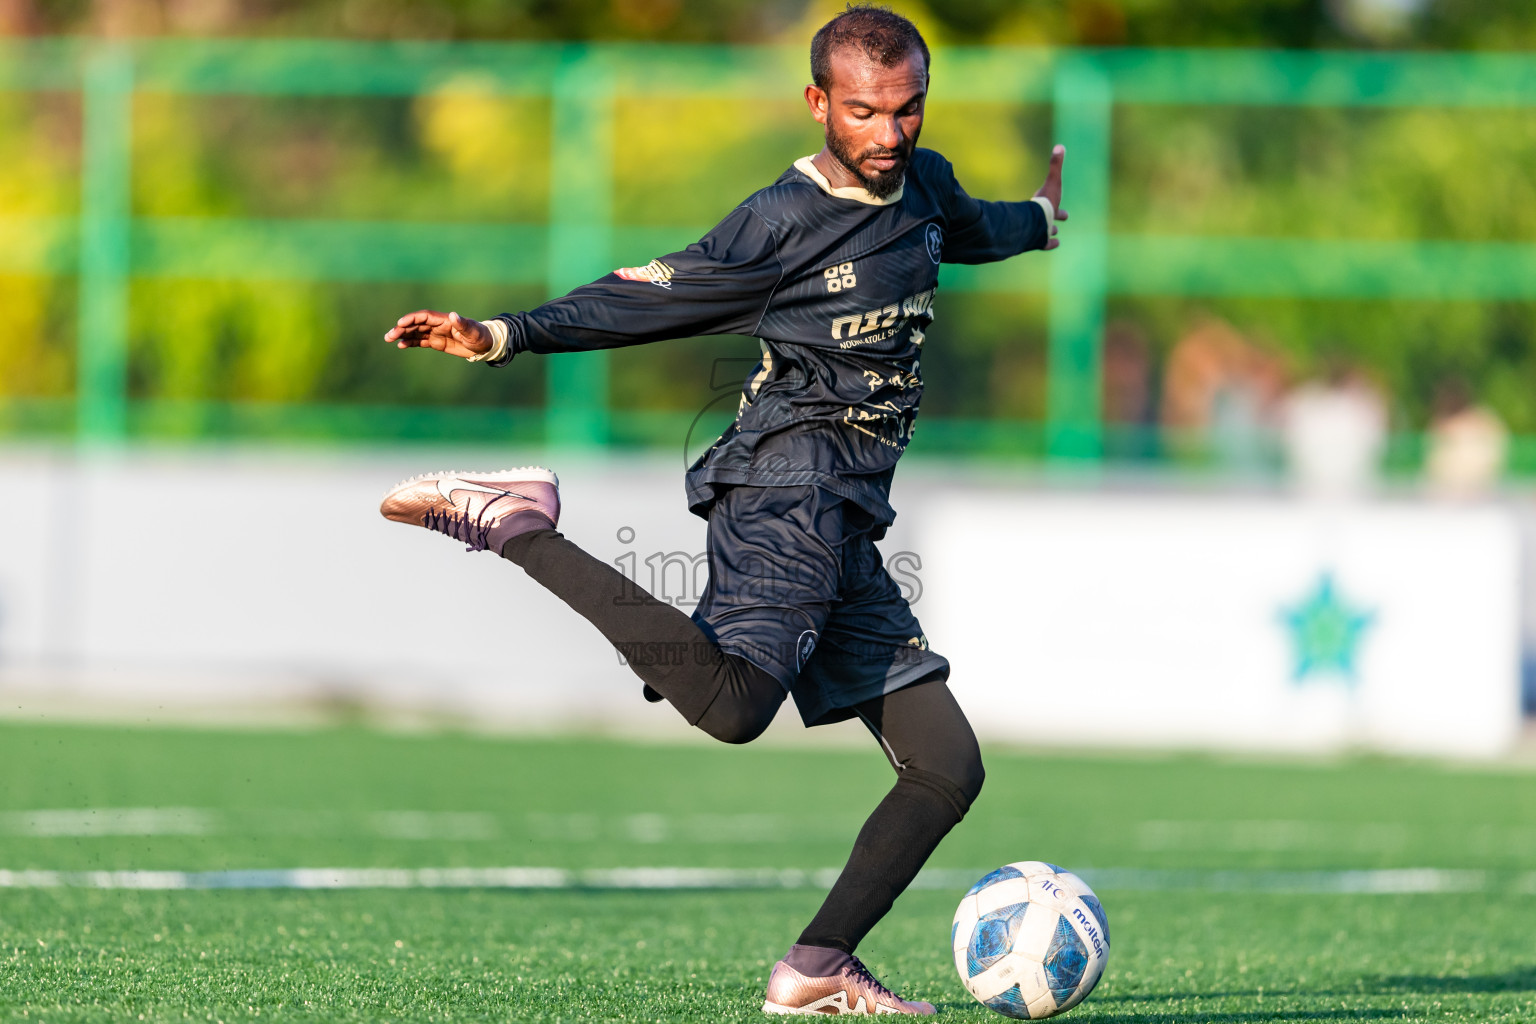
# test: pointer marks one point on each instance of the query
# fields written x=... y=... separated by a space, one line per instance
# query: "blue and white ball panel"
x=1066 y=961
x=1042 y=1005
x=1036 y=931
x=1016 y=981
x=1034 y=868
x=1005 y=872
x=1083 y=956
x=1032 y=933
x=994 y=937
x=960 y=935
x=1003 y=894
x=1010 y=1003
x=1093 y=925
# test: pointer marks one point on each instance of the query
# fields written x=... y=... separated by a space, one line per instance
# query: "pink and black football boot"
x=839 y=983
x=480 y=510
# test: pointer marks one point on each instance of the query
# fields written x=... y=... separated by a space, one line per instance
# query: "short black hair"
x=884 y=36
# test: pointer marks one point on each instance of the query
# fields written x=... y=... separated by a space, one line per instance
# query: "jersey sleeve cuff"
x=499 y=354
x=1050 y=212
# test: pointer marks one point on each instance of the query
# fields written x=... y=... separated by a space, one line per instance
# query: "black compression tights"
x=921 y=729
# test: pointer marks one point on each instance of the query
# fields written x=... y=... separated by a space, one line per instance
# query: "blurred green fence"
x=107 y=245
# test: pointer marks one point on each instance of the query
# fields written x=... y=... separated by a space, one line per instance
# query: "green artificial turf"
x=352 y=798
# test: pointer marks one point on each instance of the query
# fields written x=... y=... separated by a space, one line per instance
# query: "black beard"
x=881 y=185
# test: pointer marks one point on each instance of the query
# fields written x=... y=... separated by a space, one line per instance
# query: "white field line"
x=1395 y=881
x=411 y=825
x=110 y=821
x=1348 y=839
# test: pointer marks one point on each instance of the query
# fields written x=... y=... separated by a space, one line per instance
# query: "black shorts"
x=797 y=587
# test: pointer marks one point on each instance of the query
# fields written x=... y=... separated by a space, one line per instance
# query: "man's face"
x=873 y=115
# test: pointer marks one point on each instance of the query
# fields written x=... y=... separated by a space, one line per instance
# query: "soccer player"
x=833 y=268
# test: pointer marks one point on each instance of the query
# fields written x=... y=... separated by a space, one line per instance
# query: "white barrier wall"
x=216 y=579
x=1218 y=622
x=240 y=580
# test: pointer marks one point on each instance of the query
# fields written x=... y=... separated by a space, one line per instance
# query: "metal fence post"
x=1079 y=269
x=101 y=355
x=580 y=237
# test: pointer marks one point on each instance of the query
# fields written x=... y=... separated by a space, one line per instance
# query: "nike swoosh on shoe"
x=447 y=487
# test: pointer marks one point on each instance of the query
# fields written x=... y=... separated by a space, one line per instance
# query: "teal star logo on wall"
x=1325 y=633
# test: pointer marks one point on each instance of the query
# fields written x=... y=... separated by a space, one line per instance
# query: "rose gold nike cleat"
x=481 y=510
x=852 y=989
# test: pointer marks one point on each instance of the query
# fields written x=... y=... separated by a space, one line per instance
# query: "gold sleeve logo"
x=656 y=272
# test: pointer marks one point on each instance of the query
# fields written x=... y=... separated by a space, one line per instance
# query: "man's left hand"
x=1052 y=190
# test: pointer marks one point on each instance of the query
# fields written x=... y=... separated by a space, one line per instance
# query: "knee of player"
x=972 y=775
x=743 y=733
x=738 y=726
x=962 y=780
x=961 y=768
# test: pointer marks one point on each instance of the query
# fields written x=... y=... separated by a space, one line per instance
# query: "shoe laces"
x=475 y=532
x=859 y=971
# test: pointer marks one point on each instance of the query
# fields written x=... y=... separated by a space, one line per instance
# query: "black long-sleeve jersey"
x=838 y=288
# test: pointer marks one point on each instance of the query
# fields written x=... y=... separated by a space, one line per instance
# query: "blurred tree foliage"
x=1379 y=175
x=1435 y=24
x=39 y=166
x=463 y=154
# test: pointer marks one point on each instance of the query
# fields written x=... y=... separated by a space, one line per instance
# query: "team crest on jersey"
x=935 y=240
x=656 y=272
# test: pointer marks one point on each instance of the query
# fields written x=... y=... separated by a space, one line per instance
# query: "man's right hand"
x=446 y=332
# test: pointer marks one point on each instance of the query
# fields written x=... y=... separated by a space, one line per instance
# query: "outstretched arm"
x=982 y=231
x=718 y=285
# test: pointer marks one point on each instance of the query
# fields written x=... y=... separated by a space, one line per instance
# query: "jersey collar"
x=807 y=168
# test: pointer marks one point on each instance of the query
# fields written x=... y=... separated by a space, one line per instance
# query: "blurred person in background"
x=1467 y=444
x=1334 y=432
x=1220 y=395
x=833 y=268
x=1245 y=410
x=1129 y=396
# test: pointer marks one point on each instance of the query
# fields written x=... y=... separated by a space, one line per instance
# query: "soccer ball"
x=1030 y=940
